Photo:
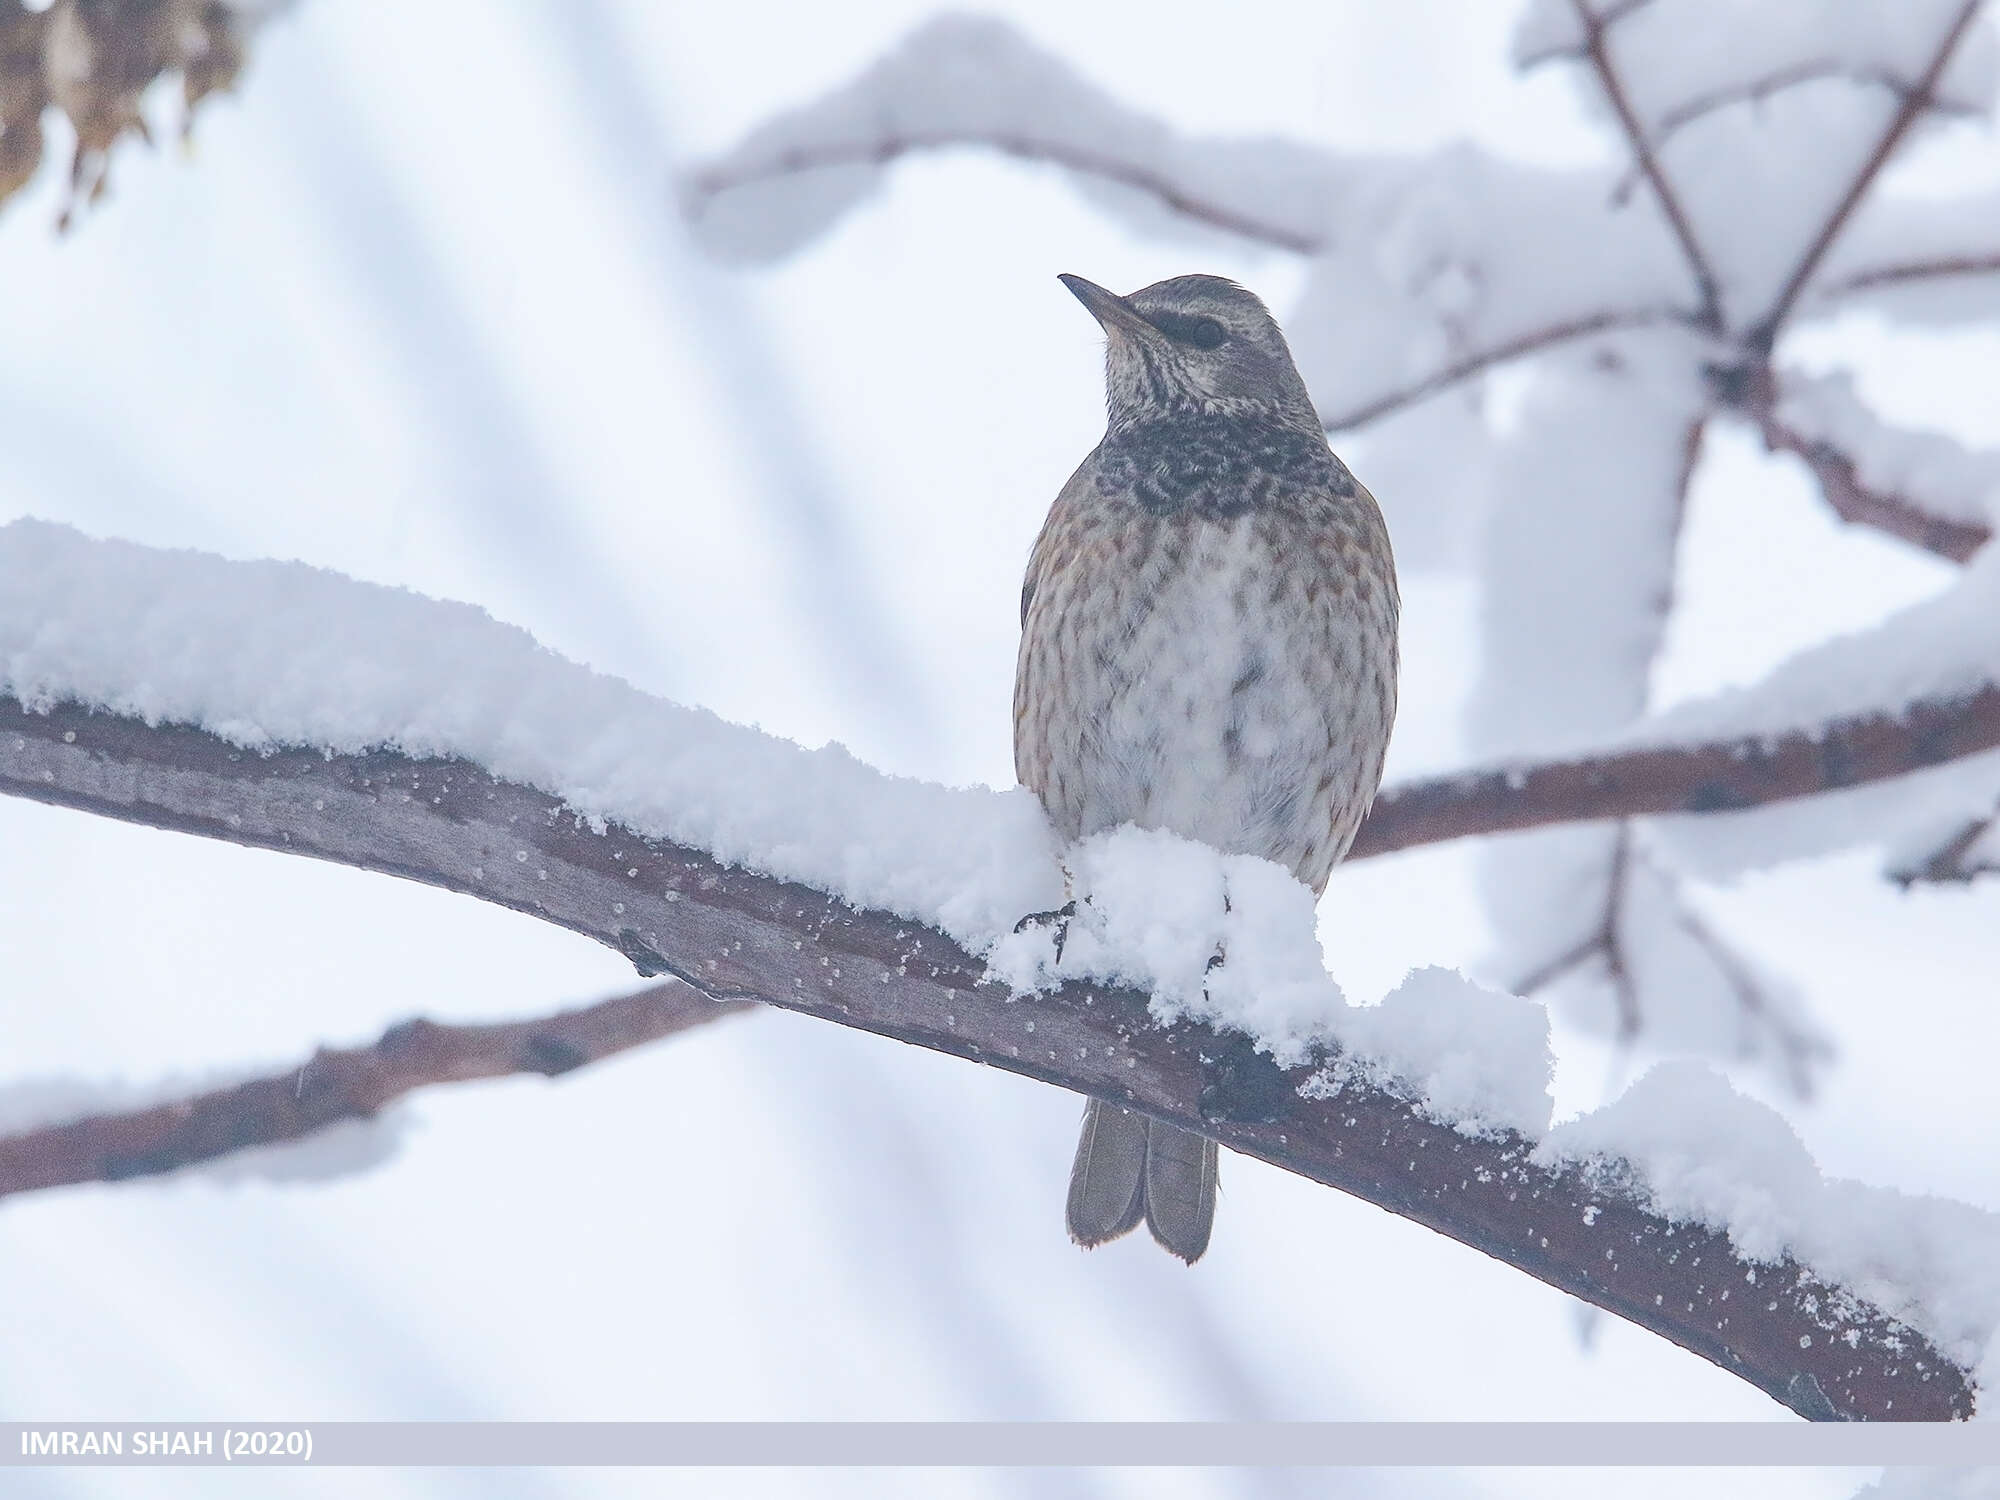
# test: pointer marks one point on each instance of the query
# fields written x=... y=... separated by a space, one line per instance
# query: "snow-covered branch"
x=966 y=81
x=337 y=1085
x=1705 y=777
x=1568 y=1214
x=1925 y=488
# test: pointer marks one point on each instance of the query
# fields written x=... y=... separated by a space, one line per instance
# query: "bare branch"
x=1605 y=942
x=332 y=1086
x=1609 y=15
x=1904 y=273
x=1799 y=1049
x=739 y=935
x=1499 y=354
x=1597 y=49
x=1764 y=334
x=1970 y=852
x=1720 y=776
x=1157 y=185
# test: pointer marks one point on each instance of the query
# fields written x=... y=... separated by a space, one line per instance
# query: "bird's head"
x=1194 y=344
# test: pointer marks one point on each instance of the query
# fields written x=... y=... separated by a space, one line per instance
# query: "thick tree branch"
x=332 y=1086
x=1719 y=776
x=1764 y=335
x=1817 y=1348
x=1077 y=158
x=1597 y=49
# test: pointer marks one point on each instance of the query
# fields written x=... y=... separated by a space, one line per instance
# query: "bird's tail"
x=1130 y=1167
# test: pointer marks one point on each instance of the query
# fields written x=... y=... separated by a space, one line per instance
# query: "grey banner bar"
x=997 y=1444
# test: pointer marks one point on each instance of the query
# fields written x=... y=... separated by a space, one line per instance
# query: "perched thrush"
x=1208 y=646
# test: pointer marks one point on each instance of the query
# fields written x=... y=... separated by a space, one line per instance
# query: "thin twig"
x=1499 y=354
x=1764 y=334
x=1605 y=941
x=1948 y=863
x=333 y=1086
x=1799 y=1050
x=1597 y=49
x=1903 y=273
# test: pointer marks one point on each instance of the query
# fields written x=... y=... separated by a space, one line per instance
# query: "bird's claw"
x=1058 y=919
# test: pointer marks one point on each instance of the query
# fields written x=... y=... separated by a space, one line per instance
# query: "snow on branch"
x=1651 y=1242
x=967 y=81
x=333 y=1086
x=175 y=690
x=1923 y=487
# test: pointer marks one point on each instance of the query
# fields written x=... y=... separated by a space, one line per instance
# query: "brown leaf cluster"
x=94 y=60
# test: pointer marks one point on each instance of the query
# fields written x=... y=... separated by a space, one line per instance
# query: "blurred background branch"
x=335 y=1085
x=94 y=61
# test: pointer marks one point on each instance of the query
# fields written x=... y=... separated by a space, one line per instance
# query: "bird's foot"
x=1215 y=961
x=1059 y=919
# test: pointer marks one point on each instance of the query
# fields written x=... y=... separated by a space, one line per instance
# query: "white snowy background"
x=423 y=311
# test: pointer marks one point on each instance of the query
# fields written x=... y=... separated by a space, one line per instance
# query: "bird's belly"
x=1229 y=709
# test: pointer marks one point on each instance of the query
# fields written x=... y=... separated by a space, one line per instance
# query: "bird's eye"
x=1205 y=333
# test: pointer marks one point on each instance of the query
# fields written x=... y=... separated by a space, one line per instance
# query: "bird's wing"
x=1056 y=541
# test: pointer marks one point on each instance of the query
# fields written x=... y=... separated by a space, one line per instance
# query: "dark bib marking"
x=1218 y=466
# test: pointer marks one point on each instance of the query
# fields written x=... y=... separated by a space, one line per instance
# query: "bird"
x=1208 y=646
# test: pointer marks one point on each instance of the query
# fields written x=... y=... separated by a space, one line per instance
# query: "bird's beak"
x=1112 y=311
